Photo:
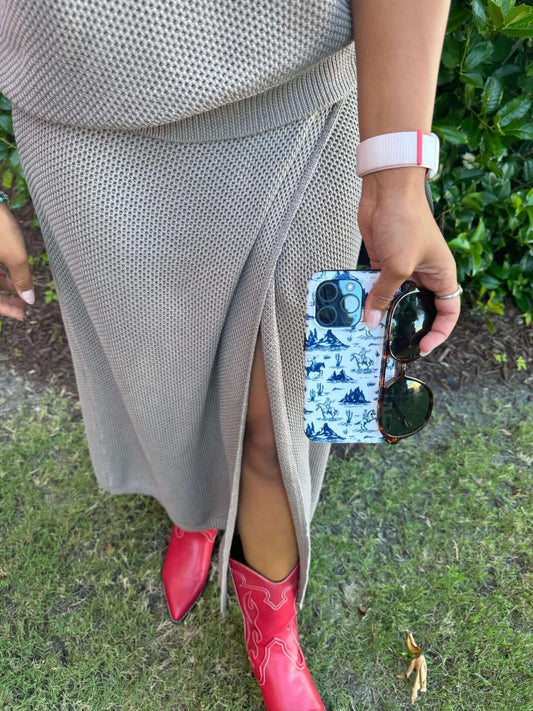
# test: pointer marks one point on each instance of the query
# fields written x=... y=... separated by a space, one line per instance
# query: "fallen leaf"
x=362 y=609
x=419 y=664
x=411 y=644
x=420 y=683
x=109 y=550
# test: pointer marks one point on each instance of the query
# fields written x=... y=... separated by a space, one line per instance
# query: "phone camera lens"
x=350 y=303
x=326 y=315
x=327 y=291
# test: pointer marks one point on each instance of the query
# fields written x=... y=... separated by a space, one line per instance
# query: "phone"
x=342 y=359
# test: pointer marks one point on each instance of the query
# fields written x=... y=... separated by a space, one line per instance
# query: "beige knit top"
x=137 y=63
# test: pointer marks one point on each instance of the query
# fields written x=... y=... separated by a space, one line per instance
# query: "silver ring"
x=457 y=292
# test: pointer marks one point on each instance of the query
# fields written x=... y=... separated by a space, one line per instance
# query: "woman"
x=191 y=165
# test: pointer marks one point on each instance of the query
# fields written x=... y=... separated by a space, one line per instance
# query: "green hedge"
x=483 y=193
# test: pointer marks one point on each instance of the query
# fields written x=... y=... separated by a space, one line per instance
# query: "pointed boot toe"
x=186 y=569
x=271 y=636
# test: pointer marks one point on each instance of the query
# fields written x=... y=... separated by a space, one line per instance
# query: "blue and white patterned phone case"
x=342 y=367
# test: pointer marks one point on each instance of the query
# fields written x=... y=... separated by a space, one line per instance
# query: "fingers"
x=14 y=256
x=20 y=276
x=442 y=283
x=11 y=306
x=381 y=294
x=448 y=311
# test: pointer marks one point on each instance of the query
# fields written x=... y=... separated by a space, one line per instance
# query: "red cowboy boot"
x=186 y=568
x=271 y=635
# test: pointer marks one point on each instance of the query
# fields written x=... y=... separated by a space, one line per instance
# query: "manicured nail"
x=373 y=318
x=28 y=296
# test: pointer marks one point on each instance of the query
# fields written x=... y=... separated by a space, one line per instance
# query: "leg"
x=266 y=582
x=264 y=519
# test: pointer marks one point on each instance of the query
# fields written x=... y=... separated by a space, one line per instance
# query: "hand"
x=404 y=242
x=13 y=254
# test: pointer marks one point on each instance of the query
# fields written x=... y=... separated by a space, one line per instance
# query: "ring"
x=457 y=292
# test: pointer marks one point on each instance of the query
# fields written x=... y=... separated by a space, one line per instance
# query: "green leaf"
x=451 y=52
x=14 y=159
x=473 y=79
x=489 y=282
x=495 y=307
x=520 y=130
x=457 y=18
x=512 y=110
x=479 y=231
x=495 y=13
x=518 y=22
x=498 y=271
x=492 y=95
x=472 y=200
x=476 y=256
x=507 y=70
x=450 y=133
x=480 y=14
x=6 y=124
x=478 y=54
x=493 y=144
x=504 y=5
x=528 y=171
x=7 y=179
x=460 y=242
x=19 y=201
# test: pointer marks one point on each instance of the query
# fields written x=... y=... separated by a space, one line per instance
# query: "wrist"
x=396 y=180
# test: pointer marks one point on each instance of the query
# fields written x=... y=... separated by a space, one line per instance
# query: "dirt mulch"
x=37 y=348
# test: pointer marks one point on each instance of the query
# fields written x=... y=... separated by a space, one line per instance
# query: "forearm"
x=398 y=46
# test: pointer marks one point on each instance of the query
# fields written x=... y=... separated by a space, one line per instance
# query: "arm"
x=398 y=45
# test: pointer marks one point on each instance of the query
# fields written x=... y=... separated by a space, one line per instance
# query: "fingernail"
x=28 y=296
x=425 y=353
x=373 y=318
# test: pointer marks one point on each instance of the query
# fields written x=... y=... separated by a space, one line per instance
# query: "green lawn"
x=433 y=534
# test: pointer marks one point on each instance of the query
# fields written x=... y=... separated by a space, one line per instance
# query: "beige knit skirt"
x=168 y=256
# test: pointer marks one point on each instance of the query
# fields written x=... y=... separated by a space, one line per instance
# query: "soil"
x=37 y=348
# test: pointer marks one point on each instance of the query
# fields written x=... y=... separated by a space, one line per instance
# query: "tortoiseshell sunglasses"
x=405 y=403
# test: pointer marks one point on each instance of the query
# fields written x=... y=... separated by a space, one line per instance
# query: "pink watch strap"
x=398 y=149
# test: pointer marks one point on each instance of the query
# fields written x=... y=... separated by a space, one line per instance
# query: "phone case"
x=342 y=367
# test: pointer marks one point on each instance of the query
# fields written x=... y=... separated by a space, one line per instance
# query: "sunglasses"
x=405 y=403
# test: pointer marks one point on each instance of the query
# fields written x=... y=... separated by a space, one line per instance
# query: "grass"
x=433 y=535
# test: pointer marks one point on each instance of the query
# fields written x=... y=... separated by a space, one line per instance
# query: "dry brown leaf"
x=419 y=664
x=109 y=550
x=411 y=644
x=420 y=683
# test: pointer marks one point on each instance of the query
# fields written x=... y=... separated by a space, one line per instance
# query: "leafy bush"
x=483 y=193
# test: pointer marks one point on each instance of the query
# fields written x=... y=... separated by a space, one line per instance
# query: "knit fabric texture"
x=132 y=63
x=168 y=256
x=191 y=165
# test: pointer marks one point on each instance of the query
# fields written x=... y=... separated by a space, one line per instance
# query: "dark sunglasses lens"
x=406 y=406
x=412 y=319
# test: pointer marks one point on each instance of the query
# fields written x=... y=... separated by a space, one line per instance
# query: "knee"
x=260 y=452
